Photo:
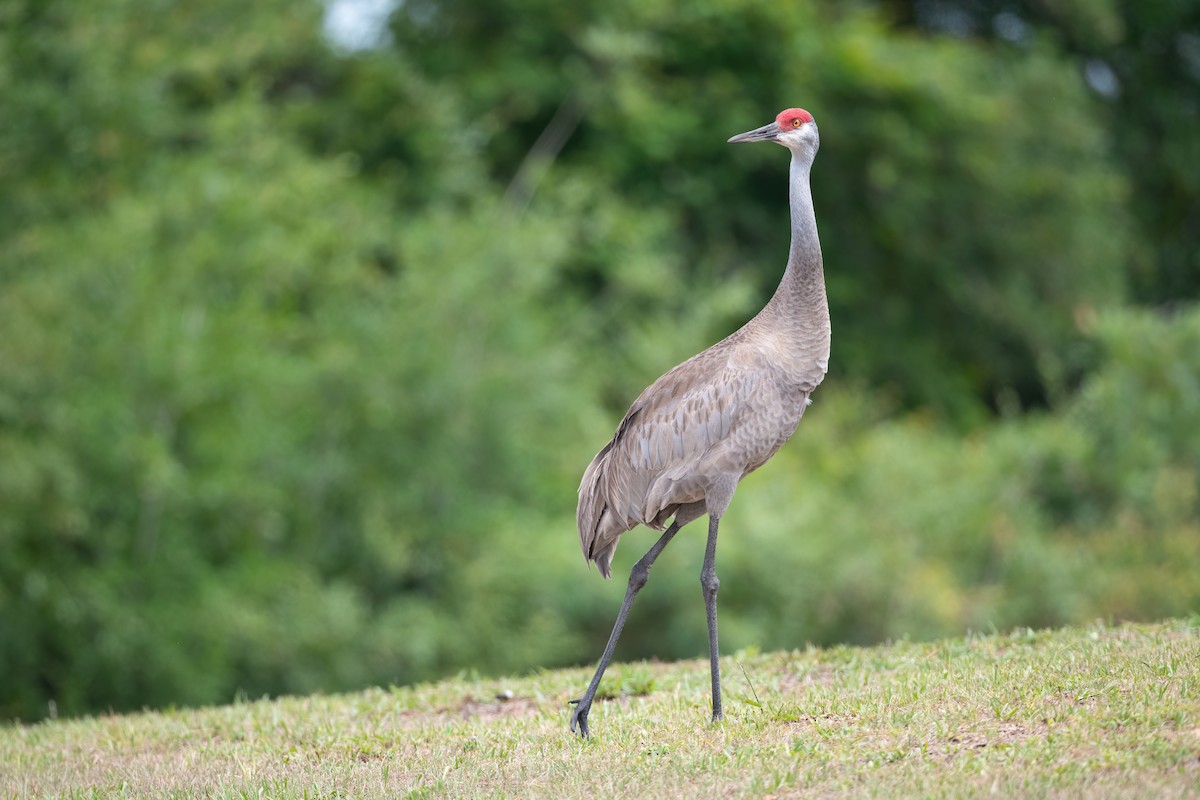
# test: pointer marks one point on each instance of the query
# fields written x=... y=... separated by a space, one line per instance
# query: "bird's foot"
x=579 y=716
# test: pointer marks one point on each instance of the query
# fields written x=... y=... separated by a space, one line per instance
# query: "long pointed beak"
x=767 y=133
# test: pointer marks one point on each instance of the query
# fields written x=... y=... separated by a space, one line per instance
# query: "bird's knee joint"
x=638 y=576
x=709 y=582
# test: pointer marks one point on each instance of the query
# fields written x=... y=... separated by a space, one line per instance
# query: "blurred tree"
x=1142 y=61
x=266 y=465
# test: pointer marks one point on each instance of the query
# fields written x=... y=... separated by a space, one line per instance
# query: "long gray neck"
x=799 y=307
x=804 y=260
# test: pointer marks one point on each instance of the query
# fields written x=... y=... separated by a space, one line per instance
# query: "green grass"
x=1096 y=712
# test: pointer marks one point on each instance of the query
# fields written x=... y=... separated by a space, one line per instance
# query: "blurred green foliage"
x=1144 y=61
x=302 y=352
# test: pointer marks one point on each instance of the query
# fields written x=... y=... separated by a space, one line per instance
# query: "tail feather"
x=594 y=517
x=604 y=561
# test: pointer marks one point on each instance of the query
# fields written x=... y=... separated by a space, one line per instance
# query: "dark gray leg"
x=709 y=585
x=637 y=579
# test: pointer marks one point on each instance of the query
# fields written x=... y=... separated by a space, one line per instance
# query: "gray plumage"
x=700 y=428
x=688 y=440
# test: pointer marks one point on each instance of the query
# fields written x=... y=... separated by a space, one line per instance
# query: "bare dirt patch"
x=499 y=706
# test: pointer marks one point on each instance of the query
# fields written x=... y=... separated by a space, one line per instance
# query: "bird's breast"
x=795 y=359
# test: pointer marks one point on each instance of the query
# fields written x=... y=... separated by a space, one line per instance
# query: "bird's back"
x=709 y=421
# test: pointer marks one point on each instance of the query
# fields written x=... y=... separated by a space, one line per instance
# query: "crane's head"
x=793 y=128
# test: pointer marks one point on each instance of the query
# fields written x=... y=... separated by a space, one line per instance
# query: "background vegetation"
x=303 y=350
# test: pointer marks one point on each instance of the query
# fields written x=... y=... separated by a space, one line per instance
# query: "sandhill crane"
x=688 y=440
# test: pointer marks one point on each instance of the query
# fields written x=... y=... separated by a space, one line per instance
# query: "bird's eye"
x=796 y=122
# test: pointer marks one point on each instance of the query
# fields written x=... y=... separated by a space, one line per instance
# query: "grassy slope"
x=1103 y=711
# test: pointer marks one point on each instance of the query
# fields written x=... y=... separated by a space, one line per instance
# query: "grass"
x=1086 y=712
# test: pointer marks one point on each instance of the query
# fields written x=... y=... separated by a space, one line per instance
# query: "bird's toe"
x=579 y=723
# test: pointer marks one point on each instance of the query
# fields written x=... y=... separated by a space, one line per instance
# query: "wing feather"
x=654 y=463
